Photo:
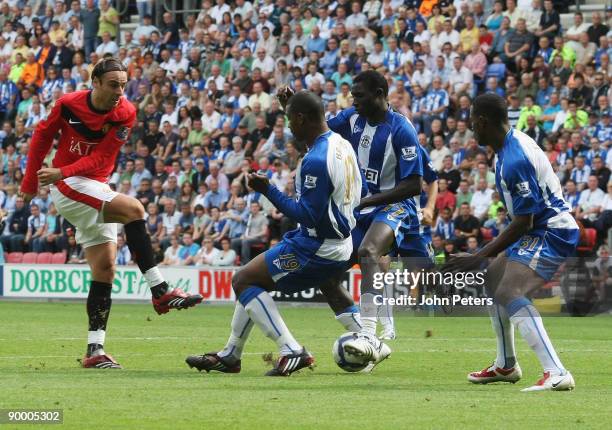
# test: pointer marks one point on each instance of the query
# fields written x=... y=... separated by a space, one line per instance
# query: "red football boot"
x=496 y=374
x=102 y=361
x=175 y=299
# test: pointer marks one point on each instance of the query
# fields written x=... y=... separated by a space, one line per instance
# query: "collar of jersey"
x=92 y=107
x=322 y=135
x=507 y=139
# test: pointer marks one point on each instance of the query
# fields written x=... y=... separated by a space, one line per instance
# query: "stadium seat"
x=29 y=258
x=487 y=234
x=14 y=257
x=59 y=258
x=44 y=258
x=496 y=70
x=237 y=261
x=588 y=245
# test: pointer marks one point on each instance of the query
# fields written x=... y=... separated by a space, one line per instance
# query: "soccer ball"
x=347 y=362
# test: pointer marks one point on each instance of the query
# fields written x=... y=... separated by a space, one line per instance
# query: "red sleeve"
x=39 y=148
x=103 y=153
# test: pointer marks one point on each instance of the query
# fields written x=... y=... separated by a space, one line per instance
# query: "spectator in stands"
x=450 y=174
x=206 y=254
x=17 y=227
x=517 y=45
x=466 y=225
x=589 y=205
x=37 y=226
x=446 y=199
x=435 y=104
x=215 y=197
x=188 y=250
x=171 y=254
x=580 y=173
x=445 y=227
x=481 y=200
x=124 y=257
x=75 y=253
x=255 y=233
x=227 y=256
x=601 y=172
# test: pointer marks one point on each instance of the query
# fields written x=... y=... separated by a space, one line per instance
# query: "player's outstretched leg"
x=505 y=368
x=342 y=304
x=377 y=242
x=101 y=259
x=385 y=311
x=516 y=283
x=385 y=315
x=129 y=211
x=251 y=285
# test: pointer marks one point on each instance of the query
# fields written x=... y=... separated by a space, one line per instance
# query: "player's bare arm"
x=429 y=209
x=49 y=175
x=520 y=225
x=409 y=187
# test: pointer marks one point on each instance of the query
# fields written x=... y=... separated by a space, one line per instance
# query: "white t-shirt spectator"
x=266 y=66
x=481 y=200
x=171 y=255
x=223 y=259
x=210 y=123
x=452 y=37
x=170 y=221
x=110 y=47
x=219 y=80
x=244 y=10
x=423 y=79
x=310 y=78
x=591 y=199
x=437 y=156
x=203 y=257
x=172 y=118
x=459 y=77
x=216 y=12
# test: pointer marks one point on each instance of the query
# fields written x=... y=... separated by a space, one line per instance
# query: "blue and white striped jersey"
x=435 y=99
x=328 y=189
x=387 y=152
x=527 y=183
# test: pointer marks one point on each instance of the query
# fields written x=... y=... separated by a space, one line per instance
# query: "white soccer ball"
x=347 y=362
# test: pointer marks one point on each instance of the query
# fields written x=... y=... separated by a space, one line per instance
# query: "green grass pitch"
x=422 y=385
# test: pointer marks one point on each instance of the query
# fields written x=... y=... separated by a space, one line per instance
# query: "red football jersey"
x=90 y=139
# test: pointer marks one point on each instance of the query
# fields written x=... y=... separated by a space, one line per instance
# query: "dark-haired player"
x=528 y=252
x=328 y=187
x=388 y=220
x=94 y=124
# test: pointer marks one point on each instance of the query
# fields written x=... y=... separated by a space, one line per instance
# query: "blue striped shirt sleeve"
x=316 y=187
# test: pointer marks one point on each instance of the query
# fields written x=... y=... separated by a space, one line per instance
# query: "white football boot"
x=550 y=382
x=370 y=348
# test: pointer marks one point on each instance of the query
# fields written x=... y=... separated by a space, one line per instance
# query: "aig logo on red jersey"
x=80 y=147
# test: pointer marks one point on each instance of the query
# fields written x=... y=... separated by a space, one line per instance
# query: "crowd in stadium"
x=204 y=87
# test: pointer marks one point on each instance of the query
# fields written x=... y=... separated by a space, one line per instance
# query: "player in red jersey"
x=94 y=125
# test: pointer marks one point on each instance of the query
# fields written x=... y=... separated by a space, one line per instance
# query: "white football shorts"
x=81 y=201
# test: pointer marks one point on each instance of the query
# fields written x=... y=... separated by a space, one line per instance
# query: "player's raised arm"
x=316 y=187
x=341 y=123
x=39 y=148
